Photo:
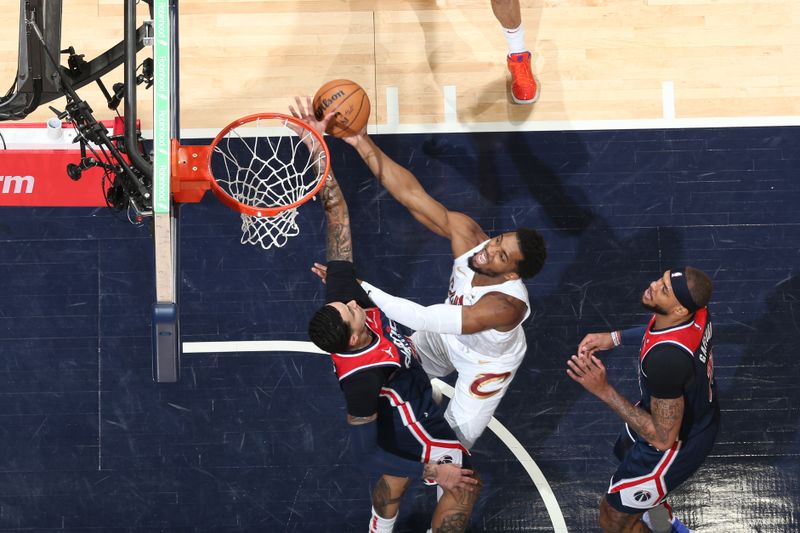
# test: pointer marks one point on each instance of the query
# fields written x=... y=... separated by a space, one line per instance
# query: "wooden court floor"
x=596 y=59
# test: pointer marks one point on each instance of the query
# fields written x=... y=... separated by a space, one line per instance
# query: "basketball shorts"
x=646 y=475
x=481 y=384
x=412 y=425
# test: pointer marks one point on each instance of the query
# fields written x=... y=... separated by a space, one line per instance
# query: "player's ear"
x=681 y=311
x=353 y=340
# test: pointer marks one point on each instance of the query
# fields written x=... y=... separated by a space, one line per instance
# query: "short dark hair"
x=534 y=252
x=699 y=286
x=328 y=330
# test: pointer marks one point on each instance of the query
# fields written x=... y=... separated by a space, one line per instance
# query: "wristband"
x=615 y=338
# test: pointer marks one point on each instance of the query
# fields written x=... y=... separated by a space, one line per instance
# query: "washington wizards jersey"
x=693 y=339
x=389 y=348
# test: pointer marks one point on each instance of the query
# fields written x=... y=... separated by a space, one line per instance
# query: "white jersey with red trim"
x=490 y=343
x=388 y=348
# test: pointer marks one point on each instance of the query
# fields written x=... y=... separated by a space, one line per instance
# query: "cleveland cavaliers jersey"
x=491 y=342
x=389 y=348
x=694 y=339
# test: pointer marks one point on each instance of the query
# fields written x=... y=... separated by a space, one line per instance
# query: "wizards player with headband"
x=396 y=428
x=672 y=428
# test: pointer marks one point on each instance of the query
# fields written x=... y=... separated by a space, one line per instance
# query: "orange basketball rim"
x=263 y=166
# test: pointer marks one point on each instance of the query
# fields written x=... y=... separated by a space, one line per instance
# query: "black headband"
x=681 y=289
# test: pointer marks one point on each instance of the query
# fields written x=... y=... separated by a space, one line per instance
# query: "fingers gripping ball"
x=350 y=103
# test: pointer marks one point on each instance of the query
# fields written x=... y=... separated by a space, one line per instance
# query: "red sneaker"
x=524 y=85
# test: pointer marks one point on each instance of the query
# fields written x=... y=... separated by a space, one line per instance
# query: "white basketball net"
x=267 y=164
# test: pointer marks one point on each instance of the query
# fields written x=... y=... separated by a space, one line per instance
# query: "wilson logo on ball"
x=347 y=102
x=325 y=103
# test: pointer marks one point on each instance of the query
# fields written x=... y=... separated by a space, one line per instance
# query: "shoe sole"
x=532 y=100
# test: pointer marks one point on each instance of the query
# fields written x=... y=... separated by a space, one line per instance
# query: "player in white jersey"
x=488 y=344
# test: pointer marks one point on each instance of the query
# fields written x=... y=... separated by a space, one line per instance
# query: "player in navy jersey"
x=396 y=428
x=672 y=428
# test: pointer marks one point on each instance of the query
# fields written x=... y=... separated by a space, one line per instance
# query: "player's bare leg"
x=454 y=509
x=524 y=85
x=613 y=521
x=386 y=498
x=507 y=13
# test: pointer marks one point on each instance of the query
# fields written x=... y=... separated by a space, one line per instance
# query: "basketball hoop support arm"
x=189 y=179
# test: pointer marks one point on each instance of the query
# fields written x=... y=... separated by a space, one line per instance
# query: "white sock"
x=378 y=524
x=515 y=39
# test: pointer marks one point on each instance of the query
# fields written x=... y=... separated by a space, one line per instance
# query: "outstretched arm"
x=339 y=237
x=493 y=311
x=463 y=232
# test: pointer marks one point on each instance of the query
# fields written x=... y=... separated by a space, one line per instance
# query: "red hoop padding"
x=193 y=175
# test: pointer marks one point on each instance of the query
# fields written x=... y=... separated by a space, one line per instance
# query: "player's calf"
x=386 y=498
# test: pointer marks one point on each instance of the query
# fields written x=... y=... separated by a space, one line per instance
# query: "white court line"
x=251 y=346
x=511 y=442
x=522 y=455
x=392 y=107
x=450 y=104
x=548 y=125
x=668 y=100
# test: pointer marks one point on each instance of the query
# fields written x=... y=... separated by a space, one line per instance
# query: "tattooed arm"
x=339 y=239
x=660 y=427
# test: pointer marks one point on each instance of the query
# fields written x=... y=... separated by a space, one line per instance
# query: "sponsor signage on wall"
x=39 y=178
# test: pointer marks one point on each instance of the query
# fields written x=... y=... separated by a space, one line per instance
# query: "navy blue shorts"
x=646 y=475
x=411 y=424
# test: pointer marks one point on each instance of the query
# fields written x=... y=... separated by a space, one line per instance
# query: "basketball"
x=350 y=102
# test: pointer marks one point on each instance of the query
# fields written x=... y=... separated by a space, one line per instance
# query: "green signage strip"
x=161 y=107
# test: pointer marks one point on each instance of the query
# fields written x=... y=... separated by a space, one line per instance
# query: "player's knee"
x=611 y=520
x=605 y=525
x=463 y=498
